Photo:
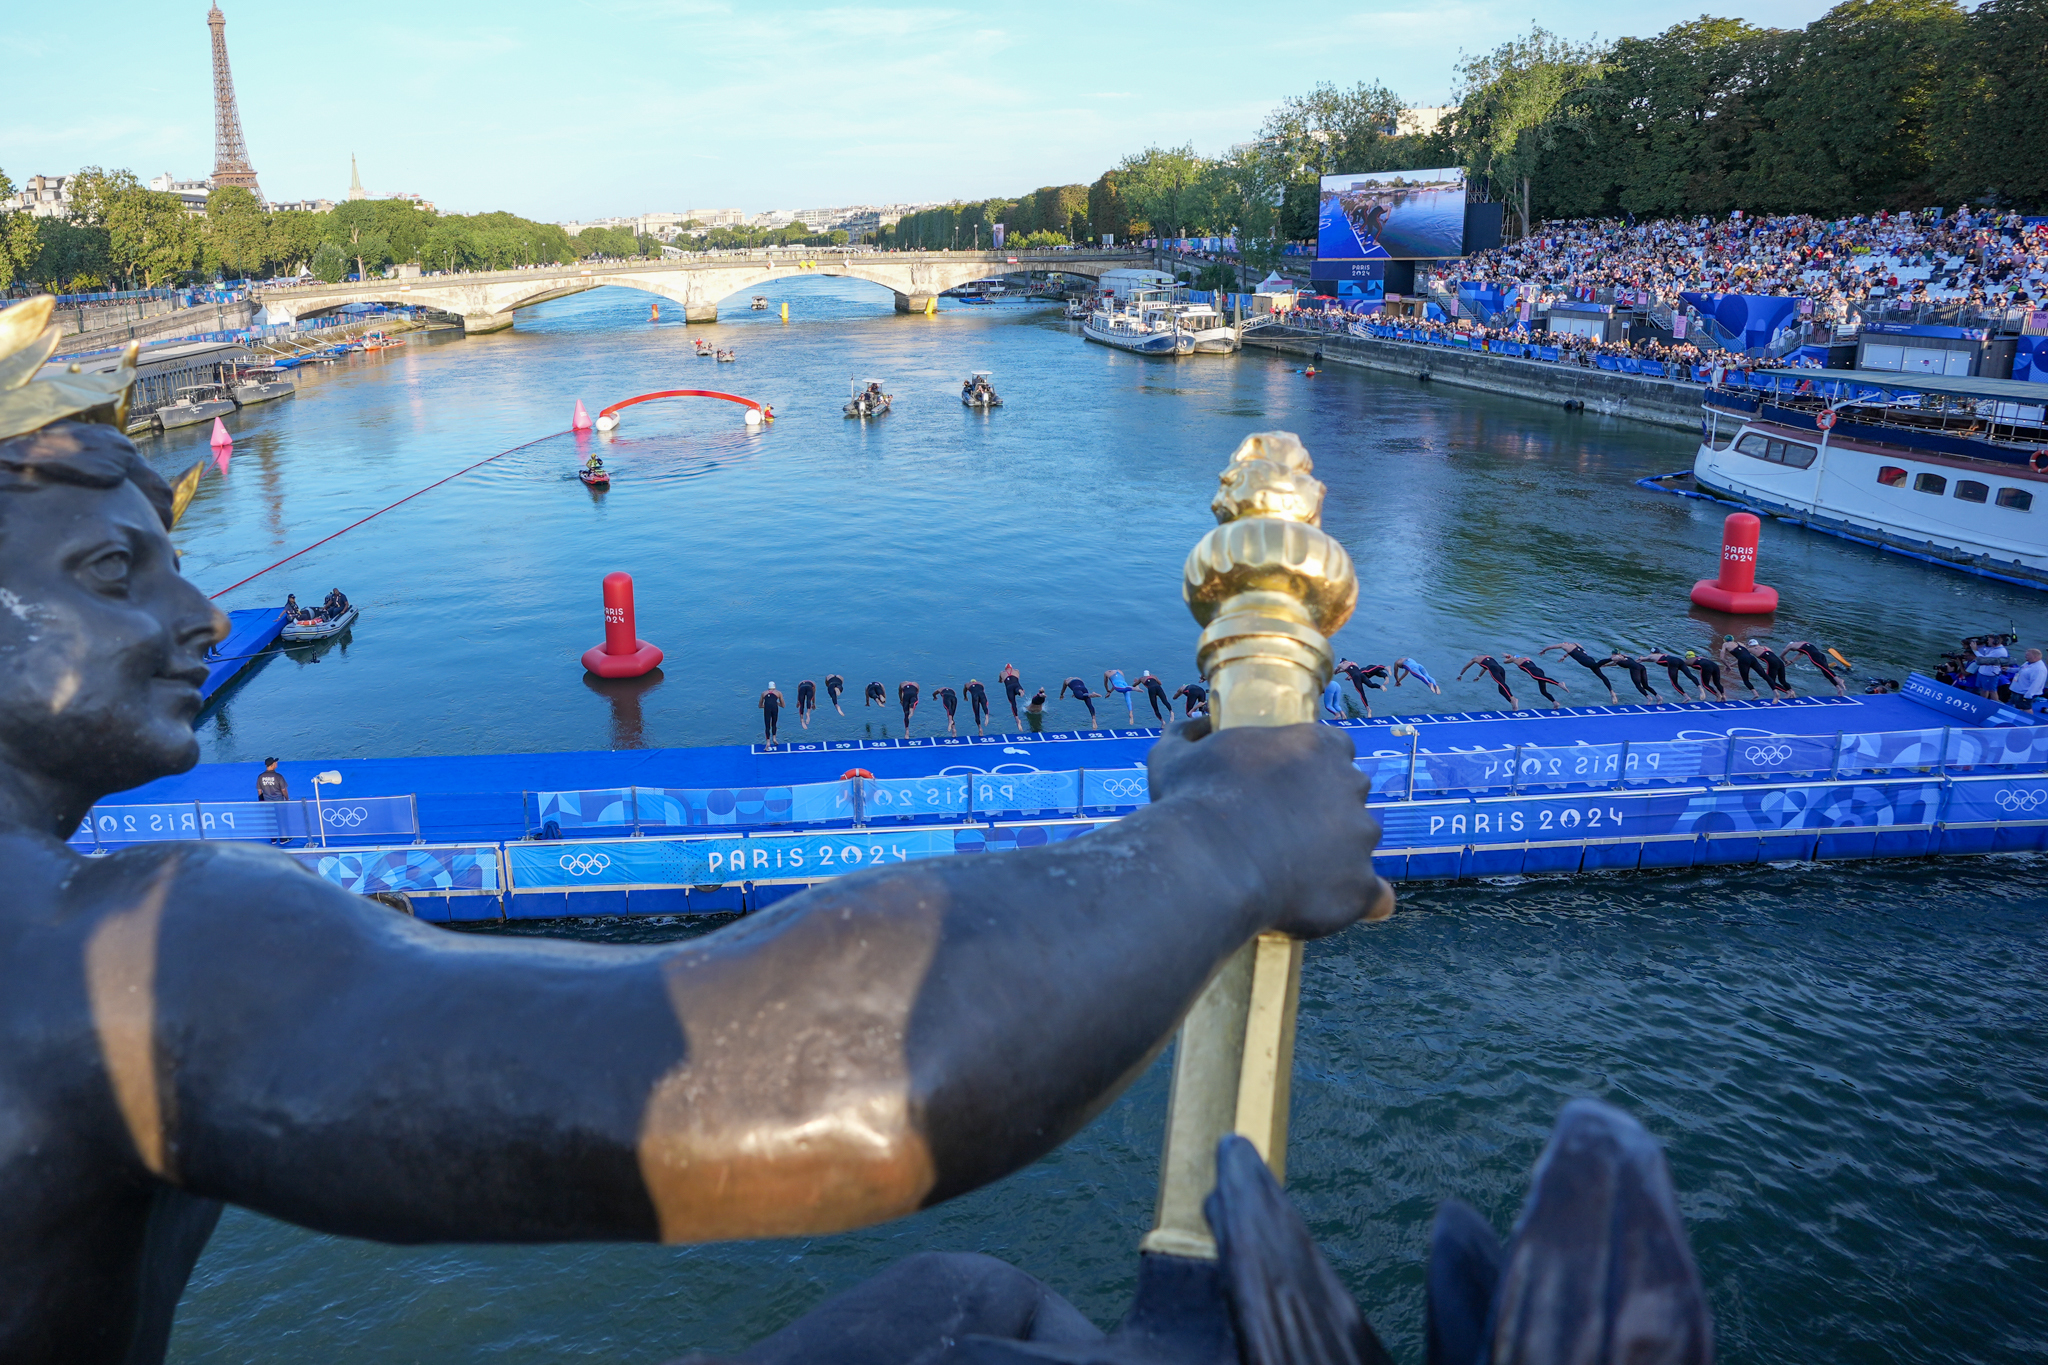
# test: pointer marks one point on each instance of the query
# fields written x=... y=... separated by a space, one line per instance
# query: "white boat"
x=300 y=632
x=978 y=393
x=868 y=400
x=760 y=303
x=193 y=404
x=260 y=384
x=1212 y=331
x=1146 y=324
x=1951 y=469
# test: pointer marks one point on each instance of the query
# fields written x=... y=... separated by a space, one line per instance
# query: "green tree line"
x=121 y=235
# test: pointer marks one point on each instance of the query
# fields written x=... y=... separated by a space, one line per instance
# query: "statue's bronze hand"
x=1289 y=800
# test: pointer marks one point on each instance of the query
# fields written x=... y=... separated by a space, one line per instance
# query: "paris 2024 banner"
x=1392 y=215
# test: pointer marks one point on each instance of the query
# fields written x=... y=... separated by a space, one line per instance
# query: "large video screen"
x=1392 y=215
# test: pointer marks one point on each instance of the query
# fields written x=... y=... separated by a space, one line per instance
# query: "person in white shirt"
x=2030 y=682
x=1990 y=666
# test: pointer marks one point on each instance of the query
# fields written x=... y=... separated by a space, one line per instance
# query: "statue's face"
x=102 y=641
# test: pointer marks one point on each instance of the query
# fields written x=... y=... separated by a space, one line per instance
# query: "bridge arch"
x=486 y=301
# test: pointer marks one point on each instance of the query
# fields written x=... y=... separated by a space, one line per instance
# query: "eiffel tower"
x=230 y=156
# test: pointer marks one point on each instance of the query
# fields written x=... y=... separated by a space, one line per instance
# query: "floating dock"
x=1466 y=794
x=251 y=633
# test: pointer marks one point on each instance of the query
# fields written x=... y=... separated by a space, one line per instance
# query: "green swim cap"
x=1727 y=637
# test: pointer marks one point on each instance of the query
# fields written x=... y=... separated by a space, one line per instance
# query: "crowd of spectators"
x=1846 y=266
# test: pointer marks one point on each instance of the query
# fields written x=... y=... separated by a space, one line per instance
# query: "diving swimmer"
x=1113 y=681
x=1819 y=659
x=1363 y=676
x=1493 y=670
x=834 y=685
x=1544 y=682
x=1710 y=674
x=1412 y=669
x=1675 y=668
x=1013 y=687
x=1576 y=652
x=877 y=695
x=771 y=707
x=806 y=701
x=906 y=693
x=949 y=699
x=1637 y=673
x=977 y=701
x=1197 y=698
x=1155 y=693
x=1077 y=689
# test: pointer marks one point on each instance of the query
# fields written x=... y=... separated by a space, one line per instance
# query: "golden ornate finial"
x=1269 y=587
x=27 y=339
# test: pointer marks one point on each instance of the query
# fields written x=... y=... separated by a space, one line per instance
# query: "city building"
x=43 y=196
x=1424 y=121
x=305 y=206
x=192 y=193
x=355 y=181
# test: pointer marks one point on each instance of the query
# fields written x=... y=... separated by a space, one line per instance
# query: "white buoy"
x=608 y=422
x=753 y=417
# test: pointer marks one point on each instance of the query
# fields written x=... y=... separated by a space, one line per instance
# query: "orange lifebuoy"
x=852 y=773
x=2037 y=458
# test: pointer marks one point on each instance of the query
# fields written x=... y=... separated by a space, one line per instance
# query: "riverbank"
x=1660 y=402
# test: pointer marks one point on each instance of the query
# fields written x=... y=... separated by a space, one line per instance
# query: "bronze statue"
x=186 y=1025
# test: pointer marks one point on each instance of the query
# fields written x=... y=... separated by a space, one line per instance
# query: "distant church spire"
x=355 y=180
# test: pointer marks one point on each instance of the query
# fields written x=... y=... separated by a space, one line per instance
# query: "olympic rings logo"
x=1123 y=787
x=584 y=864
x=2021 y=798
x=347 y=817
x=1768 y=753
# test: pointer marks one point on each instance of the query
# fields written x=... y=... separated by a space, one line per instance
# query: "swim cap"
x=1692 y=654
x=1727 y=637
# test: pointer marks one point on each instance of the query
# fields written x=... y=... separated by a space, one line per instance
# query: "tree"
x=1514 y=103
x=369 y=250
x=93 y=192
x=238 y=230
x=1328 y=130
x=1108 y=214
x=150 y=236
x=329 y=263
x=294 y=236
x=1160 y=183
x=1986 y=141
x=19 y=245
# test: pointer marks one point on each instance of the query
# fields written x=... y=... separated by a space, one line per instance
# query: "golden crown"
x=27 y=340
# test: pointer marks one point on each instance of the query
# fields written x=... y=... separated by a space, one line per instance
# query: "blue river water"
x=1848 y=1064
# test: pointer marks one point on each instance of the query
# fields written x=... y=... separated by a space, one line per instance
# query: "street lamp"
x=330 y=778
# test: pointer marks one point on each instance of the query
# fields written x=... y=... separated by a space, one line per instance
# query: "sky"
x=614 y=107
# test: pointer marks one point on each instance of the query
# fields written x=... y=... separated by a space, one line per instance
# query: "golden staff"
x=1269 y=587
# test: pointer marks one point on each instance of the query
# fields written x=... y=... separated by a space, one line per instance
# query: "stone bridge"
x=486 y=300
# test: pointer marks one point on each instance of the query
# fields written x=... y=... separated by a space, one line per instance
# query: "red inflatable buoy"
x=623 y=654
x=1736 y=589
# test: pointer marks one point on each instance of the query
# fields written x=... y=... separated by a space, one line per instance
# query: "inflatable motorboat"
x=302 y=632
x=868 y=400
x=596 y=478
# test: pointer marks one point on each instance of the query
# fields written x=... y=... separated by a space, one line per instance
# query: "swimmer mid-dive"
x=1363 y=676
x=1675 y=668
x=1013 y=687
x=877 y=695
x=1745 y=663
x=949 y=699
x=771 y=708
x=1196 y=696
x=1576 y=652
x=1493 y=670
x=977 y=701
x=1078 y=690
x=1544 y=682
x=1155 y=693
x=1819 y=660
x=1113 y=681
x=1774 y=669
x=1411 y=669
x=806 y=701
x=1710 y=674
x=1638 y=673
x=906 y=693
x=834 y=685
x=1333 y=698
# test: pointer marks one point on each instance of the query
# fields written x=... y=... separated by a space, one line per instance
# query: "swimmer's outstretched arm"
x=885 y=1041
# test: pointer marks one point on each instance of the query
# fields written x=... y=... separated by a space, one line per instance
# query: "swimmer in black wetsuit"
x=834 y=685
x=1637 y=673
x=1774 y=669
x=949 y=699
x=1155 y=692
x=977 y=701
x=806 y=701
x=1710 y=674
x=1677 y=669
x=1013 y=687
x=1078 y=690
x=906 y=693
x=1544 y=682
x=1494 y=671
x=1819 y=659
x=771 y=708
x=1197 y=697
x=1363 y=676
x=877 y=695
x=1573 y=650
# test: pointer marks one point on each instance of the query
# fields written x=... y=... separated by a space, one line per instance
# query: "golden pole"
x=1269 y=587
